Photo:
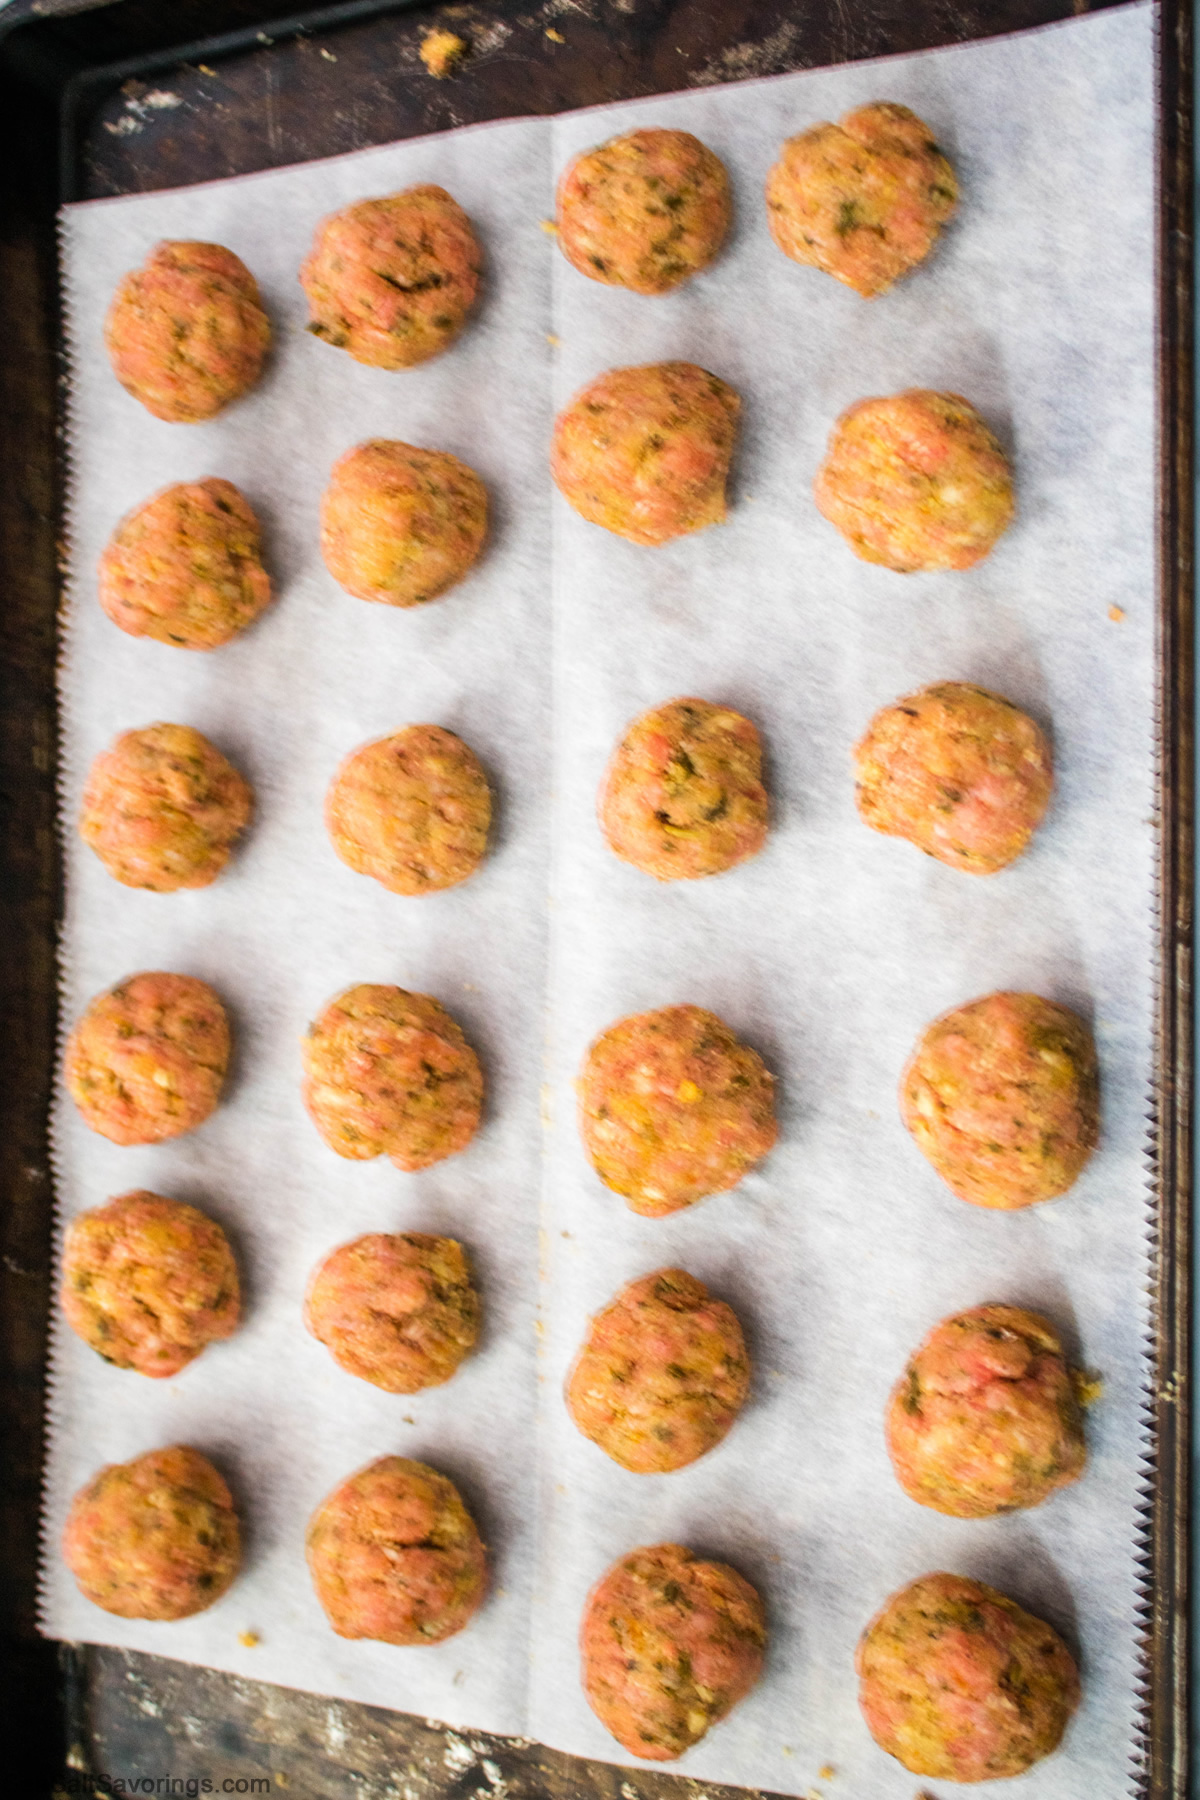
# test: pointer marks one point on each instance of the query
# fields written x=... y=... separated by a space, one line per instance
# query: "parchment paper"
x=289 y=925
x=830 y=952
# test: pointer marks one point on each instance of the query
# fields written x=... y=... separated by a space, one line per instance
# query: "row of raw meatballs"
x=1001 y=1095
x=985 y=1419
x=392 y=280
x=956 y=1680
x=956 y=770
x=913 y=481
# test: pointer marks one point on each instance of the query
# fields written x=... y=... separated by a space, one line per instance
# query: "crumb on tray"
x=441 y=52
x=1116 y=614
x=1088 y=1385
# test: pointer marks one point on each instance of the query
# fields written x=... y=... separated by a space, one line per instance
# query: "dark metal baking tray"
x=259 y=90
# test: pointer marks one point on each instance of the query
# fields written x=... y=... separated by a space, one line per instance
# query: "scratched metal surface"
x=321 y=95
x=139 y=1717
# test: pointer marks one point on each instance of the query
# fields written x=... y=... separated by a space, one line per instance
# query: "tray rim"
x=1168 y=1645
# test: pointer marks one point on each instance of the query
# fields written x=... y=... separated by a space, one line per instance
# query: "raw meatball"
x=187 y=332
x=392 y=280
x=959 y=1682
x=186 y=567
x=148 y=1282
x=395 y=1555
x=400 y=1312
x=916 y=481
x=401 y=525
x=985 y=1418
x=147 y=1060
x=864 y=200
x=155 y=1538
x=412 y=810
x=645 y=211
x=390 y=1074
x=1002 y=1095
x=645 y=452
x=672 y=1106
x=163 y=808
x=960 y=772
x=683 y=795
x=662 y=1376
x=670 y=1644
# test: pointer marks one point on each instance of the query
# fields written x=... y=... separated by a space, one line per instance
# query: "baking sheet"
x=830 y=952
x=289 y=925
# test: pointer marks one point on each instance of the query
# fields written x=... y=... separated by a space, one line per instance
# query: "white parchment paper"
x=289 y=925
x=830 y=952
